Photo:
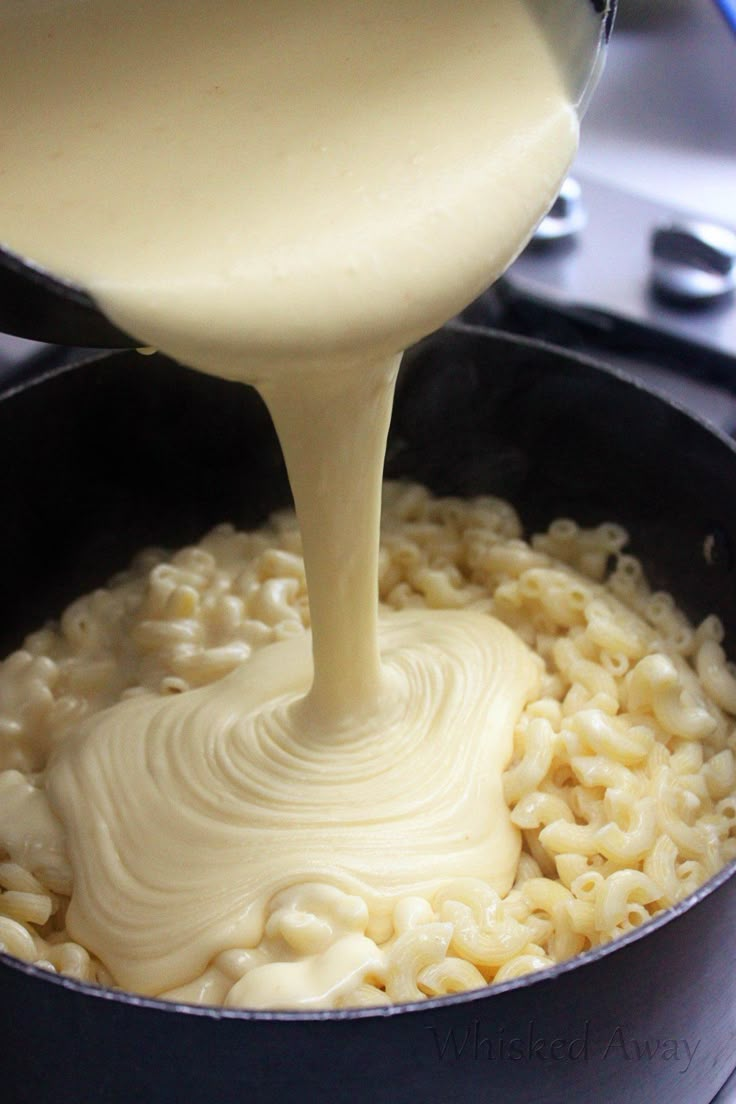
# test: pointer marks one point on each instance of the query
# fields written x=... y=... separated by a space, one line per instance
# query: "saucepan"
x=121 y=451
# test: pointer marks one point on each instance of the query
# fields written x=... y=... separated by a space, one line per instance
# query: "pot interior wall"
x=128 y=451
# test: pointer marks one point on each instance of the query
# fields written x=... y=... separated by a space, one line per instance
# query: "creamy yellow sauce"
x=195 y=810
x=288 y=194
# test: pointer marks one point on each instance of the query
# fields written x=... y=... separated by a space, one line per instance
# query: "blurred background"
x=663 y=120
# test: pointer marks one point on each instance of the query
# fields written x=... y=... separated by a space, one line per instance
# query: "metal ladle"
x=37 y=305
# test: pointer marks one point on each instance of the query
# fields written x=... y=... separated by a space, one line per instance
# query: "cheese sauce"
x=288 y=194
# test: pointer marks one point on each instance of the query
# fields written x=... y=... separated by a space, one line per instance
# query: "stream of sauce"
x=287 y=194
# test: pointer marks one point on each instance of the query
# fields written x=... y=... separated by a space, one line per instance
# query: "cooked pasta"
x=622 y=784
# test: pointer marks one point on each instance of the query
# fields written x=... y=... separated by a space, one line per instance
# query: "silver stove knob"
x=566 y=217
x=693 y=262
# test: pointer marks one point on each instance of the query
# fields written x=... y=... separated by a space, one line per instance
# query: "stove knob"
x=566 y=218
x=693 y=262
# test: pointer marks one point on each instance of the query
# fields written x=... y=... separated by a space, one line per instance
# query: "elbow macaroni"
x=623 y=781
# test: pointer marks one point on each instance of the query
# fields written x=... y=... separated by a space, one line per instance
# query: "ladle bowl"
x=36 y=304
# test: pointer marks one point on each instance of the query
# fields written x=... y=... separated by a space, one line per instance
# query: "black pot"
x=124 y=451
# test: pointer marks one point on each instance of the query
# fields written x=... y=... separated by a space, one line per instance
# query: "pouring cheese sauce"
x=288 y=194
